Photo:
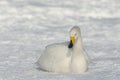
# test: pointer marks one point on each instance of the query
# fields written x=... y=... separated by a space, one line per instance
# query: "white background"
x=27 y=26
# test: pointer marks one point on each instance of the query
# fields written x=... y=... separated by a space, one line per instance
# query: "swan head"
x=74 y=34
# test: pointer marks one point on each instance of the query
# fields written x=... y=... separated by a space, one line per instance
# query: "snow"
x=27 y=26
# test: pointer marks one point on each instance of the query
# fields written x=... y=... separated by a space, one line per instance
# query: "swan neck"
x=78 y=44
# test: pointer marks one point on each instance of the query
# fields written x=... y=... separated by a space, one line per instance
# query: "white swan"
x=64 y=57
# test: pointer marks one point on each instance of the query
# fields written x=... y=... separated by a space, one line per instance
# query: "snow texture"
x=27 y=26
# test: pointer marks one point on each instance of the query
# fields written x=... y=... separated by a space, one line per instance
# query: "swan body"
x=65 y=57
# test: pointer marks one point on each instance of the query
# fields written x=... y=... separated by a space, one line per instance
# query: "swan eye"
x=75 y=34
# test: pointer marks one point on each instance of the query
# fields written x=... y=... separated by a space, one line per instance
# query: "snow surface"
x=27 y=26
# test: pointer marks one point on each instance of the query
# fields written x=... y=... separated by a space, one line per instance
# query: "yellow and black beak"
x=72 y=41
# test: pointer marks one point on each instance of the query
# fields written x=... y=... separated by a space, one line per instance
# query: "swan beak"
x=72 y=41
